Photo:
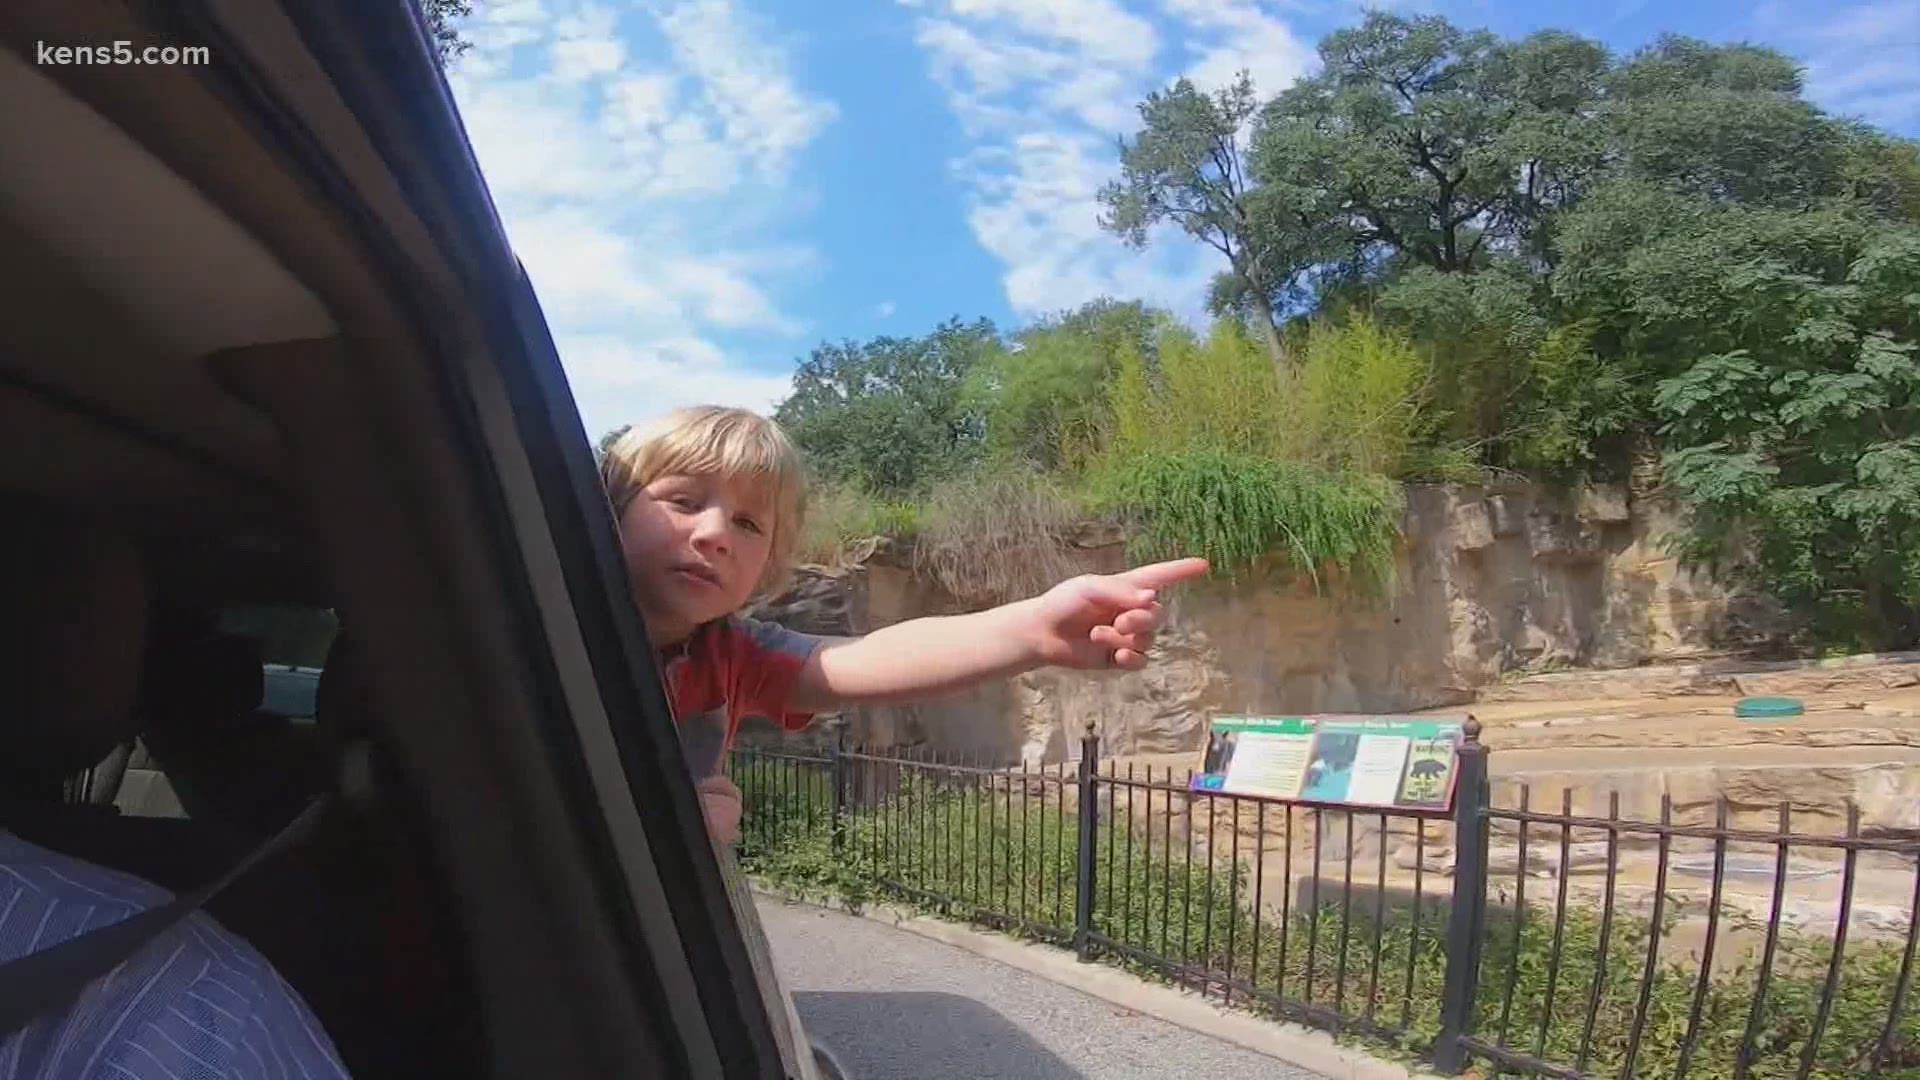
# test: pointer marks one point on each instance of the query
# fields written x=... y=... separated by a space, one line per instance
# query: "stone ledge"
x=1722 y=677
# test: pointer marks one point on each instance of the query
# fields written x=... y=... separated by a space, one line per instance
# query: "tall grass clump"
x=1214 y=453
x=997 y=535
x=839 y=514
x=1353 y=402
x=1235 y=508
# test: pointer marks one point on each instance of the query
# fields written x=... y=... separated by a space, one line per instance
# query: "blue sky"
x=703 y=190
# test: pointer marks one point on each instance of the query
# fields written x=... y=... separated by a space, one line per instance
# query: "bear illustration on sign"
x=1429 y=764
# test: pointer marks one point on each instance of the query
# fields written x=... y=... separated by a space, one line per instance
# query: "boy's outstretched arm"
x=1094 y=621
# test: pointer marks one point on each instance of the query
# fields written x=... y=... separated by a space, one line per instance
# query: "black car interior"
x=106 y=662
x=254 y=390
x=144 y=502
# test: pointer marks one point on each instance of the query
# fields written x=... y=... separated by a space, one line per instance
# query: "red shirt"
x=729 y=670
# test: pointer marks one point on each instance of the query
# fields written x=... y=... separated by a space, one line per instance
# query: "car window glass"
x=293 y=650
x=289 y=635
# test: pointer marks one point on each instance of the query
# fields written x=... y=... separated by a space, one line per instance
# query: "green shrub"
x=1044 y=397
x=1220 y=393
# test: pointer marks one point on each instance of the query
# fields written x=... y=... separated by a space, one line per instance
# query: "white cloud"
x=1225 y=37
x=615 y=361
x=586 y=46
x=497 y=31
x=589 y=274
x=722 y=295
x=531 y=141
x=638 y=193
x=1098 y=29
x=980 y=75
x=619 y=381
x=743 y=81
x=1862 y=60
x=1037 y=214
x=585 y=272
x=885 y=309
x=1042 y=87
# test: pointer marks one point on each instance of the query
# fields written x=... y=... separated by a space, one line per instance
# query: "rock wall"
x=1489 y=581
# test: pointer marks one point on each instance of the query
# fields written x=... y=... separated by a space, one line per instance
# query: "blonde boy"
x=710 y=502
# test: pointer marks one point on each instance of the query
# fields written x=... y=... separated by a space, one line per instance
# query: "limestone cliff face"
x=1489 y=581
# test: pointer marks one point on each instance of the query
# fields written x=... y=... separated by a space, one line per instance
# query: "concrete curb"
x=1305 y=1047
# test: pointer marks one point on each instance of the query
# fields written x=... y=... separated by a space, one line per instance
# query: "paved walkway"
x=895 y=1006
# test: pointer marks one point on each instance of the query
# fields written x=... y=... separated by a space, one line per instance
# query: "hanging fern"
x=1234 y=509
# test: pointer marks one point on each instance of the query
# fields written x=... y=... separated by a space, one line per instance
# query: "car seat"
x=225 y=760
x=73 y=616
x=414 y=1013
x=74 y=606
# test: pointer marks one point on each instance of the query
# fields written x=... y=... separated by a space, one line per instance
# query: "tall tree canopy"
x=1188 y=166
x=1669 y=251
x=442 y=17
x=1043 y=400
x=1421 y=142
x=889 y=415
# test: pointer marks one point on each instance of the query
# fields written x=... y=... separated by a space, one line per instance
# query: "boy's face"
x=696 y=546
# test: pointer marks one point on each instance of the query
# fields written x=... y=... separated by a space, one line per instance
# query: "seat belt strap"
x=51 y=980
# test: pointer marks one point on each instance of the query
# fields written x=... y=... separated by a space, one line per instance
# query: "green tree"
x=890 y=415
x=1187 y=165
x=1882 y=172
x=1593 y=256
x=1780 y=348
x=1043 y=399
x=442 y=21
x=1725 y=122
x=1512 y=385
x=1422 y=142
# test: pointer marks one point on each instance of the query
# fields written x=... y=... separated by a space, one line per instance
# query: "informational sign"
x=1386 y=761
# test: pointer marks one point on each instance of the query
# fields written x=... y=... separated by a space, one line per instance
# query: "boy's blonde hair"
x=715 y=440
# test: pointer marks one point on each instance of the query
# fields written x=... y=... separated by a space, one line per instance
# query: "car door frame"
x=585 y=647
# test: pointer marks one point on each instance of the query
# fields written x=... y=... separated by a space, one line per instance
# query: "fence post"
x=1466 y=922
x=1089 y=817
x=837 y=759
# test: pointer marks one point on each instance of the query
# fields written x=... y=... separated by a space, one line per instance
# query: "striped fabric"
x=198 y=1003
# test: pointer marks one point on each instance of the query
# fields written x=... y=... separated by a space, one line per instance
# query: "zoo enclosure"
x=1438 y=951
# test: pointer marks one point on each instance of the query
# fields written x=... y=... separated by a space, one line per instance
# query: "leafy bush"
x=1781 y=349
x=1044 y=398
x=1221 y=393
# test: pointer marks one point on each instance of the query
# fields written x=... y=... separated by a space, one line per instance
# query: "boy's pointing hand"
x=1106 y=620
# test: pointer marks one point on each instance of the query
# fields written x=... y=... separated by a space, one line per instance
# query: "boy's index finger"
x=1157 y=575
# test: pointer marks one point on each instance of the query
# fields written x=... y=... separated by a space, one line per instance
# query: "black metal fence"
x=1400 y=926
